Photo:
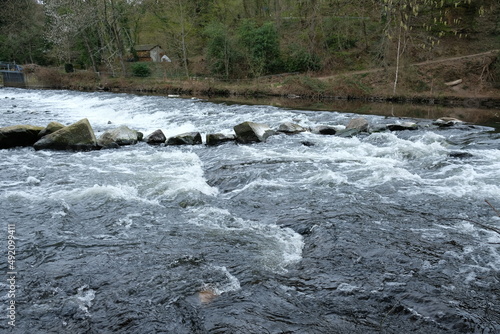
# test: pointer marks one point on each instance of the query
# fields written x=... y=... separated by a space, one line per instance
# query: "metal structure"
x=12 y=75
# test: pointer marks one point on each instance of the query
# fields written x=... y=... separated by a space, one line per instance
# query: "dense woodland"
x=231 y=39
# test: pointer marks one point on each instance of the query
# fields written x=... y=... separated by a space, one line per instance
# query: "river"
x=379 y=233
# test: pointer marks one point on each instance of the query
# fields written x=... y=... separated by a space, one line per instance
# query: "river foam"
x=384 y=231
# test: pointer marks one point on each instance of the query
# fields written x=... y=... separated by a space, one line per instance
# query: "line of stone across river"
x=80 y=136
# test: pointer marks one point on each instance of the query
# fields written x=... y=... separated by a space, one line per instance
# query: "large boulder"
x=155 y=138
x=188 y=138
x=248 y=132
x=355 y=127
x=51 y=128
x=290 y=128
x=120 y=136
x=19 y=135
x=78 y=136
x=360 y=124
x=213 y=139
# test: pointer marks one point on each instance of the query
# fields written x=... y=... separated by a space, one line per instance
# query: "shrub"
x=221 y=52
x=68 y=68
x=299 y=60
x=141 y=70
x=340 y=42
x=261 y=45
x=50 y=77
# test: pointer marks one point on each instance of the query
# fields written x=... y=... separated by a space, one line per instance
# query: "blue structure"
x=12 y=75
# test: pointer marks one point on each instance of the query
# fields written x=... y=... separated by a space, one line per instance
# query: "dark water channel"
x=379 y=233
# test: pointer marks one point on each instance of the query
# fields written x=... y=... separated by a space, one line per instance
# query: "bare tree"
x=176 y=21
x=71 y=21
x=399 y=18
x=67 y=20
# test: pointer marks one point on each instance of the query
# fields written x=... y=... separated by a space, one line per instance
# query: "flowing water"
x=379 y=233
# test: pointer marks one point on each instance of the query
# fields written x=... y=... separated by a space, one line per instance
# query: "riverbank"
x=470 y=81
x=460 y=87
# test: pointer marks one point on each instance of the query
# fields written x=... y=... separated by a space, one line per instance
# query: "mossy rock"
x=248 y=132
x=120 y=136
x=51 y=128
x=213 y=139
x=77 y=137
x=189 y=138
x=19 y=135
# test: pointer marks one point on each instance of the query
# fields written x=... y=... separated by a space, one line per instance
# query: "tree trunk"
x=398 y=56
x=90 y=51
x=183 y=39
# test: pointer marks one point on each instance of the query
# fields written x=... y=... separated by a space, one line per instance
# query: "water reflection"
x=481 y=116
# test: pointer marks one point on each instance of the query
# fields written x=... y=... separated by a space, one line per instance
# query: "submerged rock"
x=19 y=135
x=347 y=133
x=402 y=127
x=78 y=136
x=378 y=128
x=307 y=143
x=445 y=122
x=120 y=136
x=207 y=296
x=213 y=139
x=188 y=138
x=51 y=128
x=460 y=155
x=155 y=138
x=248 y=132
x=290 y=128
x=324 y=130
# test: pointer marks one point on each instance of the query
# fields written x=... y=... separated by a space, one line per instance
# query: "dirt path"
x=428 y=62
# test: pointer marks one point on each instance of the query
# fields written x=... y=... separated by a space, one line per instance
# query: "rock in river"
x=445 y=122
x=290 y=128
x=19 y=135
x=358 y=123
x=156 y=138
x=78 y=136
x=51 y=128
x=248 y=132
x=402 y=126
x=122 y=135
x=355 y=127
x=188 y=138
x=324 y=130
x=213 y=139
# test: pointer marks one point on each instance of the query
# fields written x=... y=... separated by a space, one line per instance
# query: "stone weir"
x=81 y=137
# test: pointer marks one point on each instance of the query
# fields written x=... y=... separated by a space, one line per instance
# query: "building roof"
x=145 y=47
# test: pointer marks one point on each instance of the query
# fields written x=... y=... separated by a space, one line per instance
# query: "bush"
x=339 y=42
x=299 y=60
x=141 y=70
x=68 y=68
x=261 y=45
x=50 y=77
x=221 y=54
